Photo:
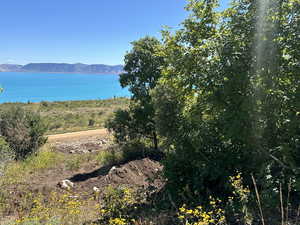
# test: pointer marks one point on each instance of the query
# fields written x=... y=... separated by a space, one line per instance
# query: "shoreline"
x=83 y=73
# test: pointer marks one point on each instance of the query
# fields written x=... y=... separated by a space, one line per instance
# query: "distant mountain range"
x=62 y=68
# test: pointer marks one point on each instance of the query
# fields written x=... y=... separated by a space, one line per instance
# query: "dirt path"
x=77 y=135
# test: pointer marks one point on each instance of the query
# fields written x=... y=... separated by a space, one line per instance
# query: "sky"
x=85 y=31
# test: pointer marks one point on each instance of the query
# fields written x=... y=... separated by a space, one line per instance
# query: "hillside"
x=62 y=68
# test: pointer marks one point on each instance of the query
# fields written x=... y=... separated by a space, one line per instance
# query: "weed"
x=18 y=171
x=74 y=163
x=109 y=157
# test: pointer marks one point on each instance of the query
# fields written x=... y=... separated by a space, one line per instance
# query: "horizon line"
x=62 y=63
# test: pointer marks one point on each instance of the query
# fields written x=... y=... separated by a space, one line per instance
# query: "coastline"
x=41 y=86
x=102 y=73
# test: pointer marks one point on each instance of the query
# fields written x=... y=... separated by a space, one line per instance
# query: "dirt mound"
x=135 y=174
x=138 y=173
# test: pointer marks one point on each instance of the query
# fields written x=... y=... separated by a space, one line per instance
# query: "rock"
x=66 y=184
x=103 y=142
x=96 y=190
x=112 y=169
x=96 y=193
x=84 y=151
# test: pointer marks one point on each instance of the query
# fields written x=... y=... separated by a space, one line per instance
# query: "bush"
x=91 y=122
x=110 y=157
x=6 y=154
x=74 y=163
x=118 y=206
x=135 y=150
x=23 y=131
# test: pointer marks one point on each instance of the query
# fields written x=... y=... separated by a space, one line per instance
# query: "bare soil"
x=138 y=174
x=135 y=174
x=81 y=142
x=77 y=135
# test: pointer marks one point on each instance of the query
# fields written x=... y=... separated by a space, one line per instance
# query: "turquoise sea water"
x=35 y=87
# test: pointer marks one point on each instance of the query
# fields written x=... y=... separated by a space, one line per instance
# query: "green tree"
x=23 y=131
x=142 y=71
x=225 y=109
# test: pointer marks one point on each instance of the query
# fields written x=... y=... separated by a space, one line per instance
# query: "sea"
x=36 y=87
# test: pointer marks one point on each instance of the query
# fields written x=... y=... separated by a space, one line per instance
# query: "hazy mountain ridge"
x=9 y=67
x=62 y=68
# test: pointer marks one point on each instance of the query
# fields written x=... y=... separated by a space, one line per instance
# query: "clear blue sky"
x=87 y=31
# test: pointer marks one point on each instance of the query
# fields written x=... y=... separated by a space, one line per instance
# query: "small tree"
x=142 y=71
x=23 y=131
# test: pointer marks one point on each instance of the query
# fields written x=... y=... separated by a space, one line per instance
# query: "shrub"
x=23 y=130
x=74 y=163
x=118 y=206
x=6 y=154
x=91 y=122
x=110 y=157
x=134 y=150
x=53 y=209
x=17 y=172
x=214 y=215
x=44 y=103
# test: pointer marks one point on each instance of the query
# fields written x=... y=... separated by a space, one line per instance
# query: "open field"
x=70 y=116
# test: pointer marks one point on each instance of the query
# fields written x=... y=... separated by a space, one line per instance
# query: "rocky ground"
x=135 y=174
x=81 y=142
x=86 y=177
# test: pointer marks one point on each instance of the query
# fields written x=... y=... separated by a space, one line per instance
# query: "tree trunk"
x=155 y=141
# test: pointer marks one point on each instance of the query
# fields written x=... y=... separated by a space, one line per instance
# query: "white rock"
x=66 y=184
x=84 y=151
x=96 y=190
x=113 y=169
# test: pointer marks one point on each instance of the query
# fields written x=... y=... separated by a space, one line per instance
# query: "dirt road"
x=77 y=135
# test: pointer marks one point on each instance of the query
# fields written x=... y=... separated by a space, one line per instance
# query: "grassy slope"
x=68 y=116
x=26 y=178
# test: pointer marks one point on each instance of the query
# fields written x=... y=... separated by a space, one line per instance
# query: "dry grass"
x=70 y=116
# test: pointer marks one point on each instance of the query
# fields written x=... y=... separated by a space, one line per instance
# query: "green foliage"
x=135 y=150
x=199 y=216
x=142 y=71
x=46 y=158
x=118 y=206
x=73 y=163
x=6 y=154
x=109 y=157
x=91 y=122
x=142 y=68
x=121 y=125
x=23 y=131
x=227 y=99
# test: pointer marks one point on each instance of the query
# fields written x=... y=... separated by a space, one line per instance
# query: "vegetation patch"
x=68 y=116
